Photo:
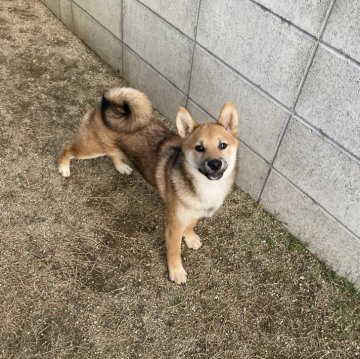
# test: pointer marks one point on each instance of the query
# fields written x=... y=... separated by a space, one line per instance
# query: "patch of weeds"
x=219 y=247
x=176 y=301
x=331 y=277
x=327 y=273
x=347 y=329
x=294 y=244
x=272 y=239
x=347 y=333
x=268 y=240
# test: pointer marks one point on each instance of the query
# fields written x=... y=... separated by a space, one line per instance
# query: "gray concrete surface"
x=163 y=46
x=322 y=171
x=307 y=14
x=164 y=95
x=109 y=16
x=330 y=99
x=181 y=14
x=260 y=46
x=102 y=41
x=66 y=13
x=307 y=220
x=277 y=60
x=252 y=171
x=54 y=6
x=343 y=30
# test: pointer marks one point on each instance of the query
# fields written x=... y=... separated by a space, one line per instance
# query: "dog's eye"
x=222 y=146
x=199 y=148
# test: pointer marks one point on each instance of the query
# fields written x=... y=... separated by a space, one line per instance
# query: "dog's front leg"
x=174 y=230
x=191 y=239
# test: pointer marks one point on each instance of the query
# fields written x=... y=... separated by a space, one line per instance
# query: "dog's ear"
x=184 y=122
x=229 y=118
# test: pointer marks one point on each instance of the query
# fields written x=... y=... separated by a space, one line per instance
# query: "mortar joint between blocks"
x=72 y=16
x=122 y=37
x=192 y=53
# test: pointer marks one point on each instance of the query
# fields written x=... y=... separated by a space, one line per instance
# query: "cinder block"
x=324 y=236
x=103 y=42
x=323 y=172
x=106 y=12
x=165 y=97
x=330 y=99
x=160 y=44
x=343 y=28
x=66 y=13
x=182 y=14
x=307 y=14
x=252 y=172
x=54 y=6
x=269 y=52
x=261 y=121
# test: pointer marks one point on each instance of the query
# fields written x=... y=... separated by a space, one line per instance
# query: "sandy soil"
x=82 y=260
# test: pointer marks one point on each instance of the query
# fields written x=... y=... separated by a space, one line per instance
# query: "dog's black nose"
x=214 y=165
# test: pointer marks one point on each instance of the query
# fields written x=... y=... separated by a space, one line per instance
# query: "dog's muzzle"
x=213 y=168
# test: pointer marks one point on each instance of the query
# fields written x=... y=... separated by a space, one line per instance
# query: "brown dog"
x=193 y=171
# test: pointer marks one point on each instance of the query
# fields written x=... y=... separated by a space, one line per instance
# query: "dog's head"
x=210 y=148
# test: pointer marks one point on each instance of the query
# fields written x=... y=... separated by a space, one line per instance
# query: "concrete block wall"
x=292 y=68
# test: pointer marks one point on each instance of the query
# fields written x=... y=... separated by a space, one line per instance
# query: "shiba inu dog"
x=193 y=170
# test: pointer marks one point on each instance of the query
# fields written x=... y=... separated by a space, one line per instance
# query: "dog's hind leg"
x=118 y=158
x=64 y=161
x=81 y=150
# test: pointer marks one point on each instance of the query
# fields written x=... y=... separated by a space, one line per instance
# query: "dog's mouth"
x=213 y=169
x=212 y=176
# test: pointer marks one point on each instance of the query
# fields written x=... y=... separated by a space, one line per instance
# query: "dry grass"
x=82 y=260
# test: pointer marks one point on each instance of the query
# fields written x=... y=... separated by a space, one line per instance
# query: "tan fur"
x=192 y=181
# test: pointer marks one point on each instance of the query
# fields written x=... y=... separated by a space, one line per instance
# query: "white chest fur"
x=208 y=198
x=211 y=194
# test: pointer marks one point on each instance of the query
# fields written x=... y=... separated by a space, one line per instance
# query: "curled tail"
x=125 y=109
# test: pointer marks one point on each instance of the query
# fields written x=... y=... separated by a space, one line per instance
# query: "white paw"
x=124 y=169
x=178 y=274
x=64 y=170
x=193 y=241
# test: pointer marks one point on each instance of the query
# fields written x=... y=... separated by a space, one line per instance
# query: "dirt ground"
x=82 y=260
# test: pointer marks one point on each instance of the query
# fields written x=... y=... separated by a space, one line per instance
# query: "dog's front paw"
x=177 y=274
x=124 y=169
x=192 y=241
x=64 y=170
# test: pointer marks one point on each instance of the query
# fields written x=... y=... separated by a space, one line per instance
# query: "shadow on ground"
x=82 y=260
